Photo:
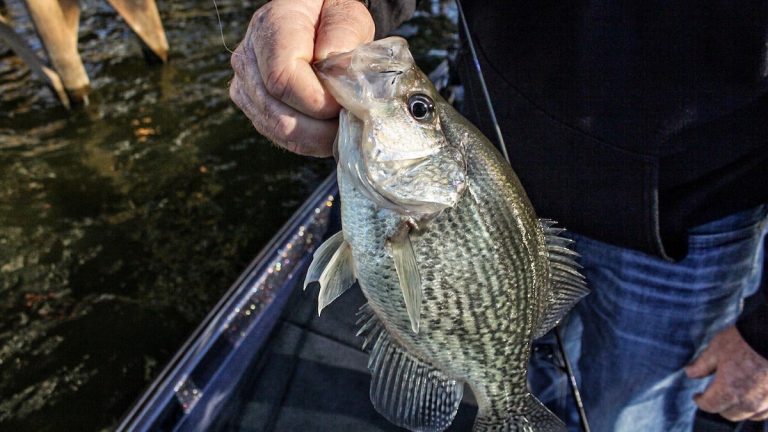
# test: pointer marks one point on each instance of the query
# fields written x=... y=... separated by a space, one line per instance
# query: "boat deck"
x=313 y=375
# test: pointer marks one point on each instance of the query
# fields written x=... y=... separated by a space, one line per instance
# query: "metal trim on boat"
x=204 y=371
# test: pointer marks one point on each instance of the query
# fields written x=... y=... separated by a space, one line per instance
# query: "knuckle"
x=241 y=55
x=278 y=83
x=282 y=131
x=236 y=95
x=235 y=60
x=233 y=93
x=710 y=403
x=280 y=128
x=362 y=29
x=707 y=406
x=265 y=21
x=750 y=404
x=261 y=16
x=341 y=18
x=728 y=397
x=262 y=24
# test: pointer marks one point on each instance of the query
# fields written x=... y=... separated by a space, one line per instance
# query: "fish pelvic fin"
x=408 y=276
x=332 y=268
x=406 y=390
x=568 y=284
x=533 y=417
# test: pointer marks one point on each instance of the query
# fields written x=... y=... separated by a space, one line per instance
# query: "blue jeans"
x=644 y=321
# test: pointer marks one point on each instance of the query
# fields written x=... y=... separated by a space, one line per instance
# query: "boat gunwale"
x=145 y=411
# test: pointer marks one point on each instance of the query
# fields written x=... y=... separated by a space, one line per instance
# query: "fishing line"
x=480 y=76
x=572 y=382
x=221 y=30
x=503 y=147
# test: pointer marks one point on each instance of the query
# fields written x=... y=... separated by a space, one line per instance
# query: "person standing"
x=639 y=126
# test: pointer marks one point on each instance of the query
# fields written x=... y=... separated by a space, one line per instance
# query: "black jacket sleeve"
x=388 y=14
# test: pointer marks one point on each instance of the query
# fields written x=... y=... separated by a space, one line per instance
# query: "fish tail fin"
x=533 y=417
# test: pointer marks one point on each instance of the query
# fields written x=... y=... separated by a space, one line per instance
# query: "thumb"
x=705 y=364
x=344 y=24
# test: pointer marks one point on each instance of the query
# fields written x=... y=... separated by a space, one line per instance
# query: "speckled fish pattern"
x=484 y=268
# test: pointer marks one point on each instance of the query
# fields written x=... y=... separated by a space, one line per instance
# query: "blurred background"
x=122 y=222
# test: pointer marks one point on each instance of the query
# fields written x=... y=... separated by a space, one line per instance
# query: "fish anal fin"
x=331 y=267
x=408 y=276
x=568 y=284
x=404 y=389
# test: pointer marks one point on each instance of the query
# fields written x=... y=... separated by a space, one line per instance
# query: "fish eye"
x=421 y=106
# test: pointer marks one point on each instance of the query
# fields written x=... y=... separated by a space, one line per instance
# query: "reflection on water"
x=122 y=223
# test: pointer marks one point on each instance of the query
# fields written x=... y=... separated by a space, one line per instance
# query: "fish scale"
x=496 y=278
x=458 y=271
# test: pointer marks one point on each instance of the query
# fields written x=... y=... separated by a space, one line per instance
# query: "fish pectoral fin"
x=533 y=417
x=331 y=267
x=406 y=390
x=408 y=276
x=568 y=284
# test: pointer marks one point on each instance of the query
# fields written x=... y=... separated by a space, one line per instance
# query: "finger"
x=284 y=126
x=736 y=413
x=282 y=38
x=752 y=405
x=237 y=60
x=763 y=415
x=715 y=398
x=704 y=365
x=344 y=24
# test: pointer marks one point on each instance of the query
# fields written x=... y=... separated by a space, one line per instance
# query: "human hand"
x=274 y=84
x=739 y=390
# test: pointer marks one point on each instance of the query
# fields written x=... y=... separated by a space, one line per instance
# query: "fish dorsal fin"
x=332 y=268
x=568 y=285
x=404 y=389
x=408 y=276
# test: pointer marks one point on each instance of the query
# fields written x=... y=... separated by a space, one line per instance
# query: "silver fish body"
x=459 y=273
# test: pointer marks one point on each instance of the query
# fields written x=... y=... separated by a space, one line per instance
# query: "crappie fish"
x=459 y=273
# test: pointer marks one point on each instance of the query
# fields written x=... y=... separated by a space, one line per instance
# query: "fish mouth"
x=336 y=75
x=333 y=66
x=383 y=55
x=361 y=77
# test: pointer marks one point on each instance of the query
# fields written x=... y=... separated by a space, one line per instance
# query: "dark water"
x=123 y=222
